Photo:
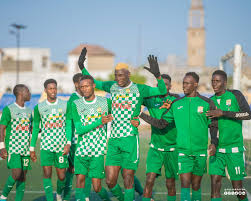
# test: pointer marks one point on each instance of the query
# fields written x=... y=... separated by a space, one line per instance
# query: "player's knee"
x=97 y=188
x=170 y=186
x=111 y=183
x=196 y=186
x=17 y=175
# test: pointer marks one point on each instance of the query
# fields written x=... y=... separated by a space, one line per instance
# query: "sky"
x=117 y=25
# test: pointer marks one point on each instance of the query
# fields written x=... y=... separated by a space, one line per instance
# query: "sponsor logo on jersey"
x=123 y=105
x=121 y=96
x=200 y=109
x=180 y=107
x=57 y=124
x=228 y=102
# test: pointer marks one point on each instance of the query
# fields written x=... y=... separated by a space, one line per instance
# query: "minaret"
x=196 y=35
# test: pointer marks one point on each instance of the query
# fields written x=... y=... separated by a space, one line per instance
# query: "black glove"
x=82 y=58
x=154 y=66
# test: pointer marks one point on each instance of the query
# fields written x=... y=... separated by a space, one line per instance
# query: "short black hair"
x=194 y=75
x=221 y=73
x=166 y=76
x=76 y=78
x=49 y=81
x=18 y=88
x=87 y=77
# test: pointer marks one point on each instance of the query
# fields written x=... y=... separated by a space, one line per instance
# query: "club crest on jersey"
x=99 y=110
x=60 y=110
x=128 y=91
x=218 y=101
x=200 y=109
x=228 y=102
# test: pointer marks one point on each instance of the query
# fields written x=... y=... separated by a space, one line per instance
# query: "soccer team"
x=74 y=136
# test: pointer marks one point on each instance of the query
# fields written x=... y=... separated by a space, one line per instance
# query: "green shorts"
x=54 y=159
x=71 y=155
x=156 y=159
x=15 y=161
x=91 y=166
x=123 y=152
x=233 y=163
x=196 y=165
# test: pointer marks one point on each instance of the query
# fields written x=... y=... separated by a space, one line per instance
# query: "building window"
x=44 y=61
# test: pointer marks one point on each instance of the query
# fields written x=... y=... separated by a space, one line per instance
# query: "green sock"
x=216 y=199
x=8 y=186
x=185 y=194
x=129 y=194
x=171 y=198
x=80 y=195
x=48 y=189
x=196 y=195
x=60 y=186
x=88 y=186
x=146 y=199
x=103 y=194
x=20 y=186
x=117 y=192
x=245 y=199
x=68 y=185
x=137 y=186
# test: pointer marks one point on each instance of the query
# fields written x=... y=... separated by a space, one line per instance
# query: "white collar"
x=55 y=103
x=78 y=94
x=20 y=107
x=90 y=102
x=126 y=86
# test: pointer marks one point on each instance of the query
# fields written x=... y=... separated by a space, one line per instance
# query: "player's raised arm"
x=5 y=119
x=148 y=91
x=102 y=85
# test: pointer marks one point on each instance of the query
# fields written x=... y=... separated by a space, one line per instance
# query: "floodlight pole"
x=18 y=27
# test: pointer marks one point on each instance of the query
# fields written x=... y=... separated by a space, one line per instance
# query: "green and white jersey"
x=87 y=118
x=126 y=103
x=73 y=97
x=18 y=129
x=52 y=120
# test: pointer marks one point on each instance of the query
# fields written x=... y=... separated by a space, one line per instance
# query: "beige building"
x=99 y=62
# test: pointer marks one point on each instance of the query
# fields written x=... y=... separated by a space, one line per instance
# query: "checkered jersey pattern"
x=53 y=124
x=94 y=142
x=74 y=139
x=20 y=134
x=124 y=102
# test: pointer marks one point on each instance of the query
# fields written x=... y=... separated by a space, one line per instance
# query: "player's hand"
x=33 y=156
x=82 y=58
x=214 y=113
x=211 y=150
x=3 y=153
x=154 y=66
x=66 y=149
x=135 y=122
x=107 y=118
x=166 y=104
